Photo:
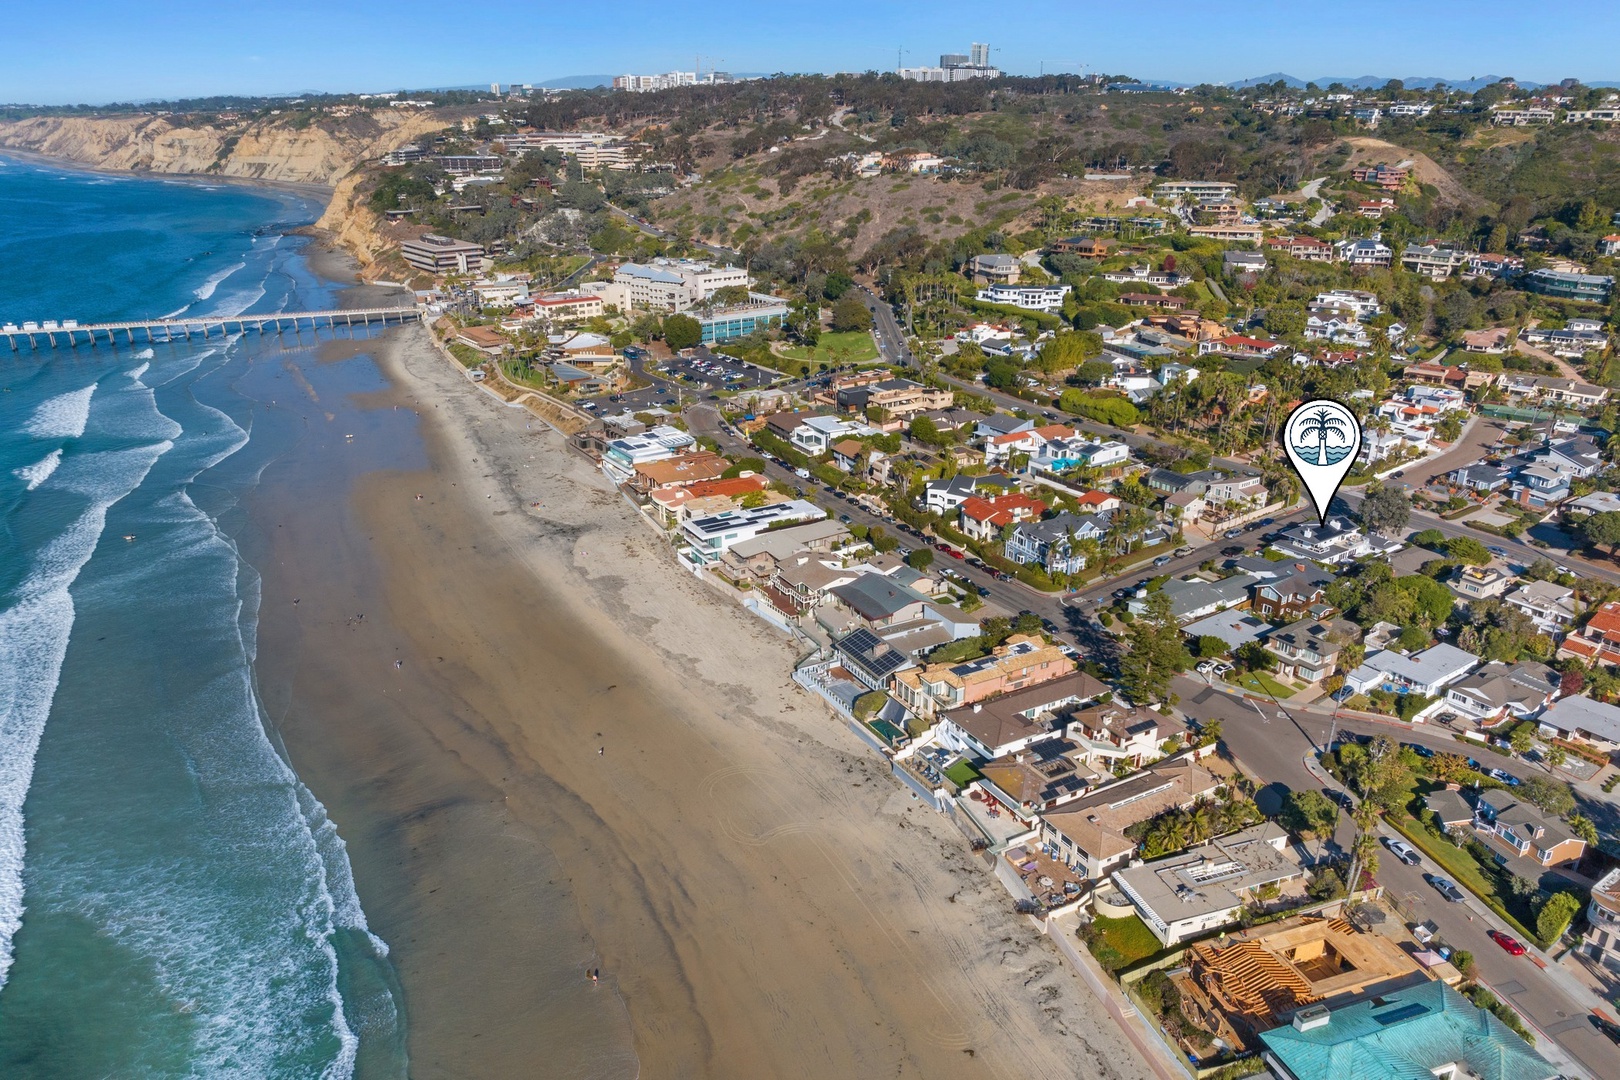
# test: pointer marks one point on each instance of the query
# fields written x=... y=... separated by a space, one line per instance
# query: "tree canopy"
x=682 y=332
x=850 y=314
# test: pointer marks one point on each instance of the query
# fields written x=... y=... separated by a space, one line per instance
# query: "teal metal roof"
x=1405 y=1035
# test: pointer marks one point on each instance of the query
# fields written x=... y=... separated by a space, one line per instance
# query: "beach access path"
x=761 y=895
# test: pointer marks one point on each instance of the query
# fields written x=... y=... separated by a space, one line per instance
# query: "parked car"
x=1205 y=667
x=802 y=474
x=1002 y=575
x=1233 y=549
x=1402 y=851
x=1510 y=944
x=1162 y=560
x=1419 y=749
x=1497 y=551
x=1183 y=552
x=1342 y=798
x=1232 y=534
x=953 y=553
x=982 y=590
x=1445 y=887
x=845 y=518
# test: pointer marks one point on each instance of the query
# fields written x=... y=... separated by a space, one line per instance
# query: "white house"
x=817 y=434
x=1029 y=297
x=1185 y=895
x=1550 y=606
x=710 y=536
x=1426 y=672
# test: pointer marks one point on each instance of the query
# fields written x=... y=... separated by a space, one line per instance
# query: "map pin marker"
x=1322 y=438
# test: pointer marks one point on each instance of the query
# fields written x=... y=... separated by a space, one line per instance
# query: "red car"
x=1508 y=942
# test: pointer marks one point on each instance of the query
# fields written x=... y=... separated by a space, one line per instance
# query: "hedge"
x=1039 y=318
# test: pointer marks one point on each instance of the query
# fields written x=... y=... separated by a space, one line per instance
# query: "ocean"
x=173 y=901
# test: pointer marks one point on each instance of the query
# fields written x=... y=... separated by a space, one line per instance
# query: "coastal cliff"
x=319 y=152
x=353 y=226
x=326 y=152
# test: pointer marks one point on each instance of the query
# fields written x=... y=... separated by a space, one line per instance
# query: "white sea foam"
x=254 y=965
x=136 y=372
x=40 y=471
x=61 y=417
x=206 y=289
x=34 y=632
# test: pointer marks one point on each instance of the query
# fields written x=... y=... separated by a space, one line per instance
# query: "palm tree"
x=1320 y=424
x=1201 y=822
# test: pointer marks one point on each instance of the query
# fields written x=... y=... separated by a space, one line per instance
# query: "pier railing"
x=70 y=334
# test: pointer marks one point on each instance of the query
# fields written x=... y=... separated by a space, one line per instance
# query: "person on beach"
x=600 y=750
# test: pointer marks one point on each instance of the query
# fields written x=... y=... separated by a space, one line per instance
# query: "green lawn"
x=851 y=347
x=962 y=773
x=1260 y=683
x=1122 y=942
x=1488 y=883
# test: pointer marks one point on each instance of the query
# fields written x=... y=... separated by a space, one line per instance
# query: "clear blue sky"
x=94 y=51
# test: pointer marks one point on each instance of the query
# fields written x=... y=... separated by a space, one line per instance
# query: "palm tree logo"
x=1319 y=425
x=1315 y=428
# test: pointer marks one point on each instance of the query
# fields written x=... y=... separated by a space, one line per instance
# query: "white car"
x=1206 y=668
x=1402 y=851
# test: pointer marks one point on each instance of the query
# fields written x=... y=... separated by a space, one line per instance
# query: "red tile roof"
x=1003 y=509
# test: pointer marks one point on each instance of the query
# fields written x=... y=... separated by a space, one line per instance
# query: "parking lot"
x=716 y=372
x=633 y=400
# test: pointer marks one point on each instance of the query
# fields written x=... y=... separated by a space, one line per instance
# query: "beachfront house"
x=1182 y=896
x=707 y=538
x=1088 y=834
x=1010 y=722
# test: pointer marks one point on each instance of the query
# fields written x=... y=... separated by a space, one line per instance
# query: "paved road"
x=1517 y=552
x=1313 y=190
x=1274 y=743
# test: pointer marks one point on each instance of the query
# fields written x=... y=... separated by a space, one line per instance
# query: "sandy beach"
x=550 y=749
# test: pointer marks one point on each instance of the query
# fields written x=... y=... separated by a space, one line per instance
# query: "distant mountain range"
x=1373 y=82
x=576 y=82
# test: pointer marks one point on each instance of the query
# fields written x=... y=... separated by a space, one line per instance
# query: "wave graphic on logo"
x=1331 y=455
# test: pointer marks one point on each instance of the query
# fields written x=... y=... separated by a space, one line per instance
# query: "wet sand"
x=587 y=758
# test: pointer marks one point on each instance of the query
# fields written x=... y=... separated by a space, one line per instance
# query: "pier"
x=70 y=334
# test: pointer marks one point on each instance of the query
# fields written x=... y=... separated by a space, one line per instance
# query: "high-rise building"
x=954 y=67
x=642 y=84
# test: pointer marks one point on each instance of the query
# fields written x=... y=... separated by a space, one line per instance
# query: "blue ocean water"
x=173 y=902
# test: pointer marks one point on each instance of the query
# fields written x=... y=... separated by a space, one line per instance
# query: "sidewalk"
x=1165 y=1062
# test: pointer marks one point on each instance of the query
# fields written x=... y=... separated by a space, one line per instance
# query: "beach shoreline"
x=577 y=725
